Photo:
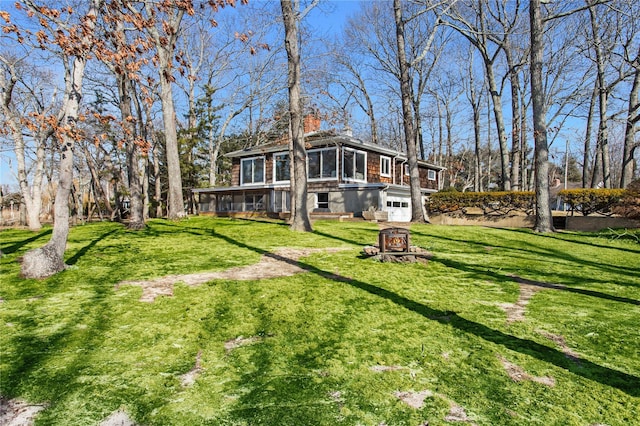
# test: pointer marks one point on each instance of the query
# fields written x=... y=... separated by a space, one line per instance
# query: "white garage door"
x=399 y=208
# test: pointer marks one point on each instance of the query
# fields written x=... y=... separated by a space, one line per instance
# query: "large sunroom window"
x=252 y=171
x=354 y=165
x=322 y=163
x=281 y=169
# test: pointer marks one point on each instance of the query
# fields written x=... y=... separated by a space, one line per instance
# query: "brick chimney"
x=311 y=123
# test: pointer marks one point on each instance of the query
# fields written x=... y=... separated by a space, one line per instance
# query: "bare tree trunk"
x=214 y=151
x=586 y=159
x=596 y=169
x=633 y=116
x=145 y=189
x=136 y=220
x=175 y=201
x=418 y=212
x=475 y=99
x=157 y=180
x=516 y=149
x=31 y=194
x=418 y=127
x=603 y=96
x=49 y=259
x=300 y=219
x=440 y=135
x=477 y=170
x=544 y=222
x=98 y=191
x=524 y=161
x=505 y=182
x=165 y=46
x=369 y=110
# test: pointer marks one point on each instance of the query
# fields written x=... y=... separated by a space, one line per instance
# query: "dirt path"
x=281 y=263
x=528 y=288
x=516 y=311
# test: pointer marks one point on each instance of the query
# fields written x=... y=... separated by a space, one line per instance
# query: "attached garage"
x=399 y=207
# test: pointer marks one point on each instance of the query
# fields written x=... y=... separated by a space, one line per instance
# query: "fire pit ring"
x=394 y=240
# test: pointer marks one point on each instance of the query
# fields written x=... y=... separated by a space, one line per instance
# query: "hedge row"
x=589 y=201
x=495 y=203
x=585 y=201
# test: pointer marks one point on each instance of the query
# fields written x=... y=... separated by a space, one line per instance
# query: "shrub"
x=629 y=206
x=494 y=203
x=589 y=201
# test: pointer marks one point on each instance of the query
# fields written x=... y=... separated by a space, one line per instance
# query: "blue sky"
x=329 y=17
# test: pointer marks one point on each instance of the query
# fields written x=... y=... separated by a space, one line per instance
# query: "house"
x=346 y=176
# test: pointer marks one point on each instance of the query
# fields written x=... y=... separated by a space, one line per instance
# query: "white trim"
x=384 y=158
x=355 y=161
x=317 y=206
x=322 y=178
x=278 y=154
x=429 y=173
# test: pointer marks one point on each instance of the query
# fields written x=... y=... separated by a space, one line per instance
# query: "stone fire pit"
x=394 y=245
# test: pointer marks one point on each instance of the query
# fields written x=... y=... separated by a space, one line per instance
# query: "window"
x=225 y=203
x=354 y=164
x=252 y=171
x=431 y=174
x=323 y=200
x=406 y=169
x=253 y=202
x=385 y=166
x=281 y=201
x=281 y=170
x=322 y=164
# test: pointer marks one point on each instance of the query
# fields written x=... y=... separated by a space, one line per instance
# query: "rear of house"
x=346 y=177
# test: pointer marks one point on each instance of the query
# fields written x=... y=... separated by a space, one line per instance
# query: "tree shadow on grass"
x=548 y=252
x=29 y=361
x=567 y=239
x=625 y=382
x=285 y=394
x=74 y=259
x=607 y=376
x=16 y=246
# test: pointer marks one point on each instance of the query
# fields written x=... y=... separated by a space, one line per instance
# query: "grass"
x=87 y=349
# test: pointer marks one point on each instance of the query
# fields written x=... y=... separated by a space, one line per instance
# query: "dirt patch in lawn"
x=414 y=399
x=457 y=414
x=118 y=418
x=240 y=341
x=14 y=412
x=518 y=374
x=528 y=288
x=189 y=378
x=281 y=263
x=562 y=344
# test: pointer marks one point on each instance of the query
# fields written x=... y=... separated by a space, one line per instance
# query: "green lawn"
x=338 y=344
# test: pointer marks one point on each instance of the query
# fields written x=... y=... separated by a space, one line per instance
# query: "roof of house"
x=326 y=137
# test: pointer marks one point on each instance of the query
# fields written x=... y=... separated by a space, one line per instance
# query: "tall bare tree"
x=405 y=65
x=475 y=97
x=472 y=21
x=631 y=126
x=544 y=222
x=162 y=21
x=31 y=121
x=74 y=42
x=300 y=220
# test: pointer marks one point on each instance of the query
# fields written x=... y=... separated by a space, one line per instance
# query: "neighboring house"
x=346 y=176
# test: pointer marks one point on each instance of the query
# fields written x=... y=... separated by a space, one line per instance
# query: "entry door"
x=399 y=208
